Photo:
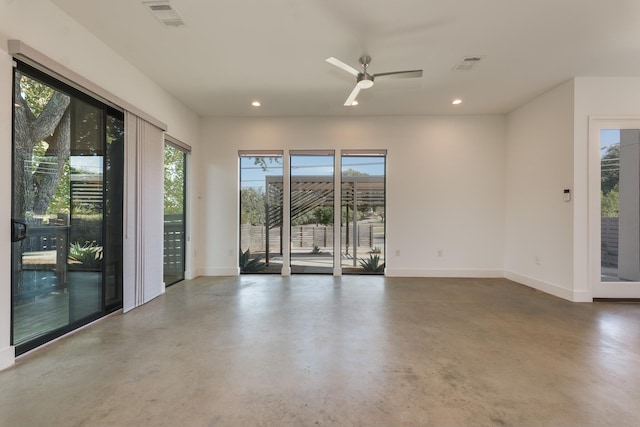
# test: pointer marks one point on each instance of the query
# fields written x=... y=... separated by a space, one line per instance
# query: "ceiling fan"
x=364 y=80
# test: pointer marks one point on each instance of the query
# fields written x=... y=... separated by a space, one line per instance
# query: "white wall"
x=539 y=224
x=445 y=186
x=41 y=25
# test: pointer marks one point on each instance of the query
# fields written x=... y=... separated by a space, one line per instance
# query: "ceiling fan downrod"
x=364 y=80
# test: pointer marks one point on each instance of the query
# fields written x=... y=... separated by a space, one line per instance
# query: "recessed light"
x=256 y=103
x=457 y=101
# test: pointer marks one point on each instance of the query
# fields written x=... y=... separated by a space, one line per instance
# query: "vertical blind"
x=143 y=216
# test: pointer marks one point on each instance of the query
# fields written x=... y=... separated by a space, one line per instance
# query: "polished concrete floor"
x=351 y=351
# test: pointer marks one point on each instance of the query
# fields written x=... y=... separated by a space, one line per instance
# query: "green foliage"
x=248 y=265
x=89 y=255
x=252 y=205
x=610 y=204
x=60 y=202
x=319 y=216
x=375 y=250
x=323 y=215
x=36 y=94
x=316 y=250
x=610 y=175
x=173 y=180
x=372 y=263
x=609 y=182
x=346 y=215
x=304 y=219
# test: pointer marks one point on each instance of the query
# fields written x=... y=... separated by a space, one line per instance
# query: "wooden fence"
x=174 y=244
x=609 y=239
x=253 y=237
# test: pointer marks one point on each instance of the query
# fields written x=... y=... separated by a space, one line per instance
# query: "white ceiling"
x=234 y=51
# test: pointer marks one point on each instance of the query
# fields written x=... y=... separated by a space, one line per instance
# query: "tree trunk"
x=45 y=180
x=33 y=190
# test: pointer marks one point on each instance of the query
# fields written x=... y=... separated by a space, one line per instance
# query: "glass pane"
x=174 y=214
x=312 y=213
x=620 y=205
x=114 y=187
x=87 y=204
x=58 y=194
x=68 y=155
x=260 y=214
x=363 y=214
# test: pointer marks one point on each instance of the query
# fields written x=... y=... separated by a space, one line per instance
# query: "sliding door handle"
x=19 y=230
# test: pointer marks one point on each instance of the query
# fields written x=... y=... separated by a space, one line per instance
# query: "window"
x=261 y=198
x=362 y=215
x=312 y=212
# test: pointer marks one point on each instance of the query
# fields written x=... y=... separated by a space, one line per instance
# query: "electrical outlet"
x=537 y=260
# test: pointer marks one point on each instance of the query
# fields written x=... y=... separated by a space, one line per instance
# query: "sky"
x=252 y=175
x=608 y=137
x=91 y=164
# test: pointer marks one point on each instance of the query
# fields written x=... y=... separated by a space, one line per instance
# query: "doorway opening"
x=175 y=219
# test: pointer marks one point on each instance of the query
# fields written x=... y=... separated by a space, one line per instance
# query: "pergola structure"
x=309 y=192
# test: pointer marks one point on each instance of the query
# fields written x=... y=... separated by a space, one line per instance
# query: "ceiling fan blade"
x=352 y=96
x=400 y=74
x=348 y=68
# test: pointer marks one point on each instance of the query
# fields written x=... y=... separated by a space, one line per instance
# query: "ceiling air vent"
x=467 y=63
x=165 y=13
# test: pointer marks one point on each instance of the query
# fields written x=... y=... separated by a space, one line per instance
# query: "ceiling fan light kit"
x=364 y=80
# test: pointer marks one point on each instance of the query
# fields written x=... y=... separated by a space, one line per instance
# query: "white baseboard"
x=582 y=296
x=189 y=275
x=550 y=288
x=455 y=272
x=212 y=271
x=7 y=357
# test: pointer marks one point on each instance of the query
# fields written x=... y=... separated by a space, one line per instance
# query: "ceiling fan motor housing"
x=365 y=81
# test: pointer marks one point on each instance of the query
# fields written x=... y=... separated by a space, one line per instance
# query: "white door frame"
x=603 y=289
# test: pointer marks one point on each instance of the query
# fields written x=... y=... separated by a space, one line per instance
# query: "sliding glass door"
x=67 y=209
